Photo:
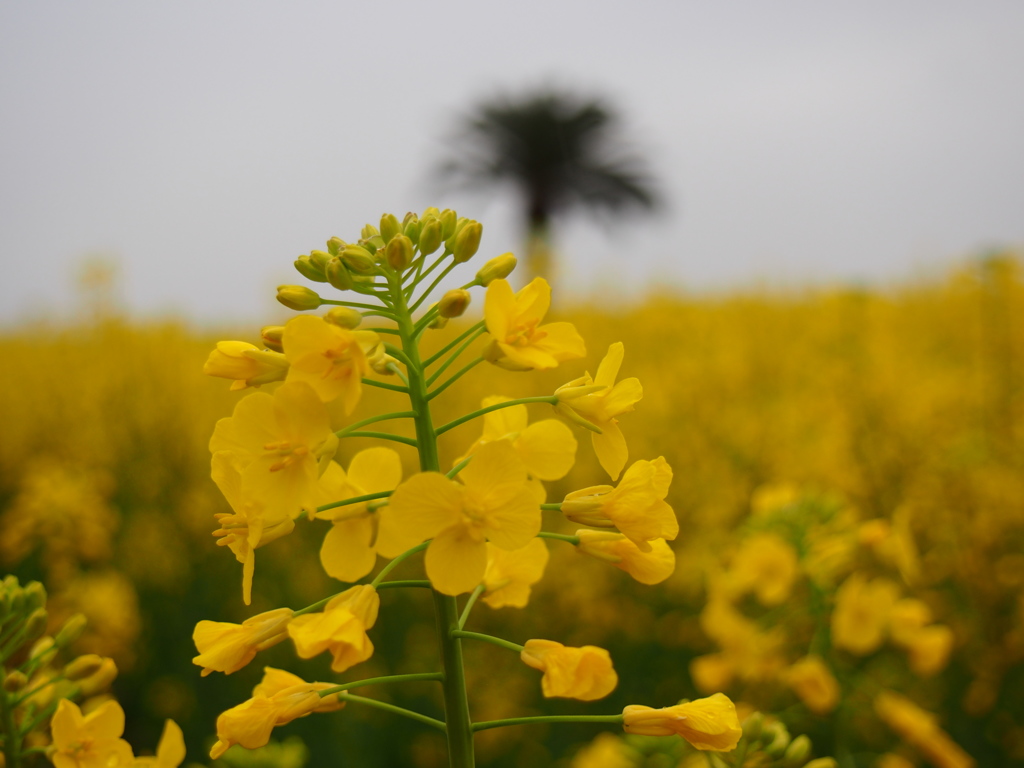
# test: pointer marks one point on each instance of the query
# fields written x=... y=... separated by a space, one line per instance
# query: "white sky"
x=206 y=144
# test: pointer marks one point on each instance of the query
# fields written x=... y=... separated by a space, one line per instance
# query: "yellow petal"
x=170 y=752
x=346 y=553
x=533 y=301
x=513 y=523
x=608 y=370
x=495 y=474
x=610 y=447
x=503 y=422
x=456 y=561
x=375 y=470
x=548 y=449
x=562 y=341
x=499 y=305
x=422 y=506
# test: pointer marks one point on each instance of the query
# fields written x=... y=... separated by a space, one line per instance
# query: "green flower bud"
x=320 y=259
x=412 y=228
x=100 y=680
x=373 y=244
x=389 y=226
x=368 y=231
x=430 y=237
x=777 y=739
x=343 y=317
x=358 y=259
x=71 y=631
x=271 y=336
x=35 y=595
x=797 y=752
x=84 y=666
x=41 y=646
x=449 y=219
x=15 y=681
x=338 y=275
x=430 y=212
x=35 y=625
x=334 y=245
x=309 y=270
x=753 y=726
x=453 y=303
x=823 y=762
x=467 y=242
x=399 y=253
x=497 y=268
x=298 y=297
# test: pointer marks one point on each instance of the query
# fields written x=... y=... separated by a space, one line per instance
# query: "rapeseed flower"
x=575 y=673
x=636 y=506
x=519 y=342
x=708 y=724
x=861 y=615
x=170 y=750
x=225 y=647
x=547 y=448
x=812 y=680
x=767 y=565
x=600 y=400
x=510 y=575
x=246 y=364
x=89 y=741
x=340 y=628
x=349 y=550
x=652 y=566
x=493 y=502
x=920 y=729
x=329 y=358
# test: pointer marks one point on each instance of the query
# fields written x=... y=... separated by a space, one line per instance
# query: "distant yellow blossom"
x=606 y=751
x=340 y=628
x=907 y=617
x=652 y=566
x=920 y=729
x=812 y=680
x=329 y=358
x=510 y=575
x=519 y=342
x=929 y=649
x=636 y=506
x=170 y=750
x=712 y=672
x=601 y=407
x=89 y=741
x=547 y=448
x=708 y=724
x=767 y=565
x=861 y=615
x=225 y=647
x=246 y=364
x=493 y=502
x=584 y=673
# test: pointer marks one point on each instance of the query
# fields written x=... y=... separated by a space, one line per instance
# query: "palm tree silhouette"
x=559 y=151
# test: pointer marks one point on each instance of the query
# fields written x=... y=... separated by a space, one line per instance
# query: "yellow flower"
x=906 y=619
x=636 y=507
x=276 y=680
x=248 y=365
x=767 y=565
x=349 y=551
x=510 y=575
x=576 y=673
x=812 y=680
x=89 y=741
x=519 y=342
x=861 y=615
x=601 y=407
x=712 y=672
x=547 y=448
x=493 y=503
x=329 y=358
x=340 y=629
x=650 y=567
x=708 y=724
x=929 y=649
x=918 y=728
x=606 y=751
x=170 y=751
x=276 y=442
x=225 y=647
x=250 y=525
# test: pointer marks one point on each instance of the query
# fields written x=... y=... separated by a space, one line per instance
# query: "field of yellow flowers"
x=849 y=483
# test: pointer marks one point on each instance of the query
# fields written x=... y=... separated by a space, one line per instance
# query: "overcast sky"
x=205 y=144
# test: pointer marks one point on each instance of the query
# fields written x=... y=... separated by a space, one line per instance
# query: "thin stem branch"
x=574 y=540
x=356 y=305
x=451 y=345
x=551 y=399
x=506 y=644
x=488 y=724
x=455 y=377
x=454 y=356
x=470 y=603
x=422 y=583
x=434 y=723
x=385 y=436
x=458 y=467
x=382 y=385
x=374 y=419
x=354 y=500
x=409 y=678
x=394 y=563
x=433 y=285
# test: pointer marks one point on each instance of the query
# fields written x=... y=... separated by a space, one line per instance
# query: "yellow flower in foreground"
x=170 y=751
x=276 y=443
x=812 y=680
x=767 y=565
x=248 y=365
x=601 y=407
x=650 y=567
x=250 y=525
x=493 y=503
x=547 y=448
x=329 y=358
x=89 y=741
x=340 y=629
x=919 y=728
x=708 y=724
x=349 y=551
x=519 y=342
x=225 y=647
x=636 y=506
x=576 y=673
x=861 y=615
x=510 y=575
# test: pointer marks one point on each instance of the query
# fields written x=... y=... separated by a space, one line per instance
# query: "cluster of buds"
x=33 y=685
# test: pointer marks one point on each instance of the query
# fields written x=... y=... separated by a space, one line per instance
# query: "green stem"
x=414 y=676
x=384 y=436
x=456 y=376
x=392 y=708
x=458 y=468
x=551 y=399
x=374 y=419
x=394 y=563
x=506 y=644
x=423 y=273
x=12 y=740
x=382 y=385
x=424 y=583
x=354 y=500
x=356 y=305
x=574 y=540
x=555 y=507
x=451 y=345
x=470 y=603
x=433 y=285
x=488 y=724
x=397 y=371
x=454 y=356
x=392 y=331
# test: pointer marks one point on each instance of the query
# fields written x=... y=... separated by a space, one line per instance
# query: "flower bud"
x=497 y=268
x=822 y=762
x=338 y=275
x=797 y=752
x=449 y=219
x=35 y=595
x=382 y=364
x=399 y=253
x=358 y=258
x=453 y=303
x=334 y=245
x=389 y=227
x=368 y=231
x=777 y=739
x=298 y=297
x=15 y=681
x=343 y=317
x=430 y=237
x=411 y=227
x=271 y=336
x=42 y=646
x=319 y=259
x=430 y=211
x=35 y=625
x=71 y=631
x=373 y=244
x=467 y=242
x=82 y=667
x=100 y=680
x=304 y=266
x=753 y=726
x=438 y=322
